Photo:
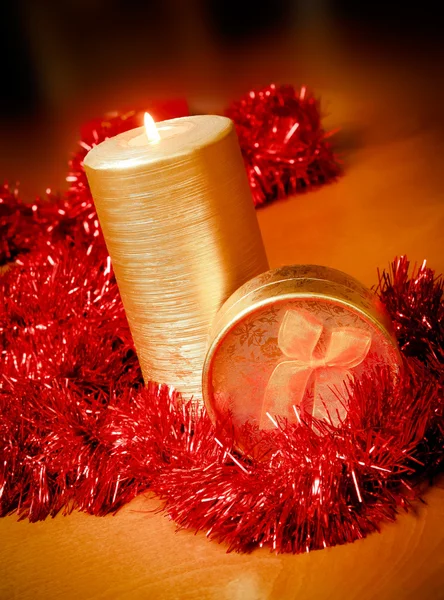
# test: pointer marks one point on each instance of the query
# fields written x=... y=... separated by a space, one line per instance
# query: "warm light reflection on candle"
x=150 y=127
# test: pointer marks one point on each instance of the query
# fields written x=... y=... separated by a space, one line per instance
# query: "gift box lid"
x=290 y=341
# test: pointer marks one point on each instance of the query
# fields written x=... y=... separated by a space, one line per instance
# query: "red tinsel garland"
x=78 y=430
x=283 y=144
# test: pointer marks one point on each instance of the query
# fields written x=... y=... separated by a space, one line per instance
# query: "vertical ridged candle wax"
x=182 y=233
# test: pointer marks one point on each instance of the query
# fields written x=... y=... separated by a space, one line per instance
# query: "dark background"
x=65 y=61
x=51 y=50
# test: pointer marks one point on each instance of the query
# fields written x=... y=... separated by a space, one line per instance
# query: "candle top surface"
x=178 y=138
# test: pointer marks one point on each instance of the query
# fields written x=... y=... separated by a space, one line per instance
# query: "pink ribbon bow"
x=298 y=336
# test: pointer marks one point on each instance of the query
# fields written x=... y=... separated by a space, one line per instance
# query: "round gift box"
x=288 y=343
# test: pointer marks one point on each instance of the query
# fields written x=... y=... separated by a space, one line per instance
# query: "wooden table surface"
x=389 y=202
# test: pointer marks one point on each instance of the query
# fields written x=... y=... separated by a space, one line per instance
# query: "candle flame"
x=150 y=127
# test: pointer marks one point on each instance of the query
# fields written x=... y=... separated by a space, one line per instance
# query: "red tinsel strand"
x=61 y=316
x=321 y=485
x=414 y=299
x=21 y=223
x=283 y=144
x=415 y=303
x=71 y=451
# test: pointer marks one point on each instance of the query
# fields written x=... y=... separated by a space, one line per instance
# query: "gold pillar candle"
x=287 y=342
x=176 y=212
